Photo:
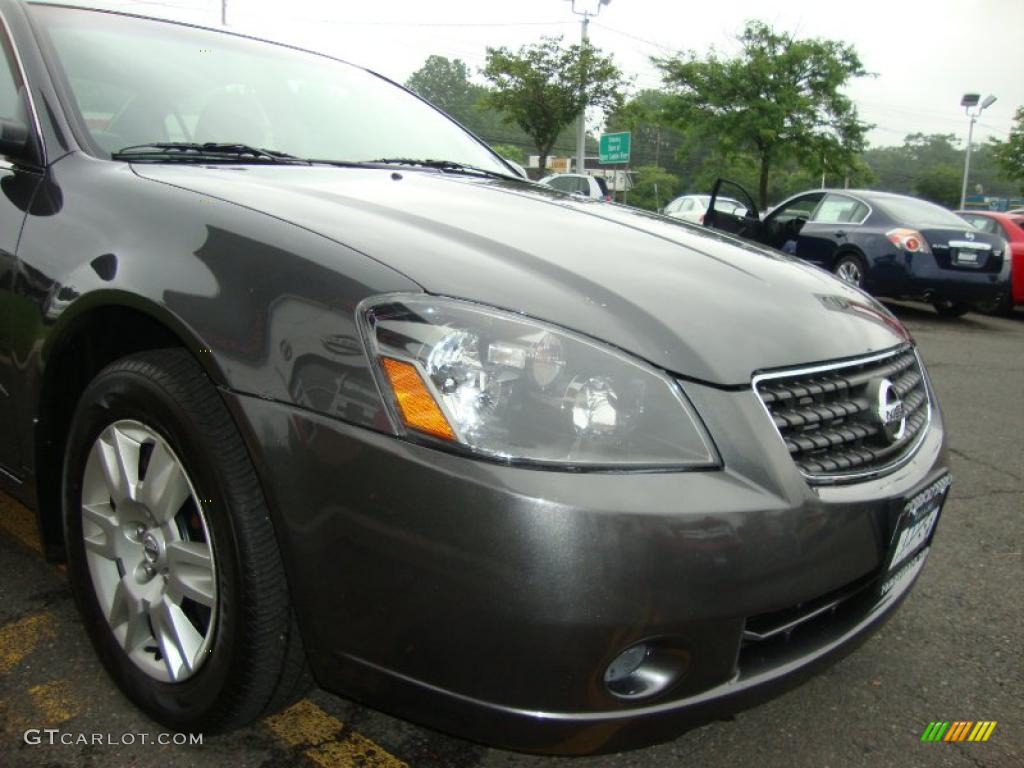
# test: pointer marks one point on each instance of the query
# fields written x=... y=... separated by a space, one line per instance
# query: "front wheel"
x=951 y=308
x=171 y=554
x=850 y=269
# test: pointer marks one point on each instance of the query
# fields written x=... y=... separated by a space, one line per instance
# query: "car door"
x=829 y=228
x=782 y=227
x=725 y=216
x=18 y=183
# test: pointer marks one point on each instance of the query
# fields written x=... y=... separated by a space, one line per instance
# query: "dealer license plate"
x=917 y=521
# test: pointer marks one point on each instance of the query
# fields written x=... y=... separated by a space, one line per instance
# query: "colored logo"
x=958 y=730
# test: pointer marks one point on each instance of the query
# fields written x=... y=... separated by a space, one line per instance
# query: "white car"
x=593 y=187
x=693 y=207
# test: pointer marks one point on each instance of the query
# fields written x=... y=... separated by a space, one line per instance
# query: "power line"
x=659 y=46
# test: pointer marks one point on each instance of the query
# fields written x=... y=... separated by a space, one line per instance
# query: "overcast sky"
x=926 y=55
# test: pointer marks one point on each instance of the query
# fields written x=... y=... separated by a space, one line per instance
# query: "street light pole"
x=581 y=123
x=969 y=101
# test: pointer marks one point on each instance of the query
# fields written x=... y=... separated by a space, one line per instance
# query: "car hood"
x=699 y=304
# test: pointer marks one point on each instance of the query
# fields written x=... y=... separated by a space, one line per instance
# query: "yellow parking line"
x=20 y=523
x=54 y=701
x=18 y=639
x=304 y=725
x=356 y=750
x=323 y=739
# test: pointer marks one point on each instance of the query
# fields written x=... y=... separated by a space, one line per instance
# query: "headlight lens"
x=507 y=387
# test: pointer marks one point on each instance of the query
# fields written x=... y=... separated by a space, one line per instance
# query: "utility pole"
x=967 y=102
x=223 y=13
x=581 y=125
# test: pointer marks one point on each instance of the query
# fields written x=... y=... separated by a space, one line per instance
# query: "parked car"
x=585 y=185
x=1011 y=227
x=299 y=375
x=693 y=207
x=889 y=245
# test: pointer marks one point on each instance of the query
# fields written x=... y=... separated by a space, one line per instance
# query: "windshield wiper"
x=451 y=166
x=204 y=152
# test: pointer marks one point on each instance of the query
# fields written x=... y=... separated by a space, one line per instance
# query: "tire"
x=850 y=269
x=186 y=565
x=951 y=308
x=1001 y=306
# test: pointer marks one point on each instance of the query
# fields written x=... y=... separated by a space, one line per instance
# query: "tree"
x=940 y=184
x=542 y=88
x=445 y=84
x=780 y=97
x=509 y=152
x=654 y=141
x=653 y=187
x=1010 y=153
x=926 y=163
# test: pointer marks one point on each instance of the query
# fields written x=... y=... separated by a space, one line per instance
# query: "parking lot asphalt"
x=953 y=652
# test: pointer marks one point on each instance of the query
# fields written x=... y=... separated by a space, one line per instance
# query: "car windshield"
x=137 y=81
x=918 y=213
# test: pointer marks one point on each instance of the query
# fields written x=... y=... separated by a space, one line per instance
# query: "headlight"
x=467 y=377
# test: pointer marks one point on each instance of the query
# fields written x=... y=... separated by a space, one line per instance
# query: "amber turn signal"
x=419 y=409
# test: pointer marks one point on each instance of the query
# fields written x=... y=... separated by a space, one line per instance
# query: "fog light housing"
x=646 y=669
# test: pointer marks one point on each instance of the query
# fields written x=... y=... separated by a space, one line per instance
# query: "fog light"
x=646 y=669
x=625 y=664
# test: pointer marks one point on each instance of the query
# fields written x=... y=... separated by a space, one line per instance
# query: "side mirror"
x=13 y=137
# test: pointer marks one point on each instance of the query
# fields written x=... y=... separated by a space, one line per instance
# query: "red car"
x=1011 y=226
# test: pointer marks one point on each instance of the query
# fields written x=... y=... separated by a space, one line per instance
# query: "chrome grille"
x=825 y=416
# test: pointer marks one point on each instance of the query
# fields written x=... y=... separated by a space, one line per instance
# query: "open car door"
x=732 y=209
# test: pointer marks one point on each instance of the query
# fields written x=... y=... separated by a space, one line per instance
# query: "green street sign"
x=614 y=147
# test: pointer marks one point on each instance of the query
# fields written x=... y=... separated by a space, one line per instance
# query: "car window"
x=798 y=208
x=12 y=106
x=582 y=185
x=728 y=205
x=917 y=213
x=686 y=205
x=839 y=209
x=990 y=225
x=984 y=223
x=672 y=207
x=135 y=81
x=563 y=183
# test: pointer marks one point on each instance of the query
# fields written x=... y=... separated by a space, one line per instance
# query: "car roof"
x=997 y=215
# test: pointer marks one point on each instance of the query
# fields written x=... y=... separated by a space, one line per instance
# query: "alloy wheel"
x=149 y=551
x=849 y=271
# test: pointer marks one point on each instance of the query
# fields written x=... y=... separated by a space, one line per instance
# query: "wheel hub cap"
x=149 y=551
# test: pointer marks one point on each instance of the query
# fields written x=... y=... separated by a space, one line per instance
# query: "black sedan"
x=889 y=245
x=304 y=381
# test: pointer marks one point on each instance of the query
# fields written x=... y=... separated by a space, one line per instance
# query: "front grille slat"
x=828 y=420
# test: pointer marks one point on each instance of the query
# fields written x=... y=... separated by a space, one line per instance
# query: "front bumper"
x=488 y=600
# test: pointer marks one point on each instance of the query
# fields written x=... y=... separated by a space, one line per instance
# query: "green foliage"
x=542 y=88
x=653 y=187
x=445 y=84
x=509 y=152
x=924 y=160
x=1009 y=154
x=940 y=184
x=779 y=98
